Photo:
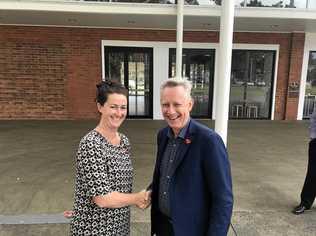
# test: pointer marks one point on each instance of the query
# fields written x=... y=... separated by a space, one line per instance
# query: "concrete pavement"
x=268 y=160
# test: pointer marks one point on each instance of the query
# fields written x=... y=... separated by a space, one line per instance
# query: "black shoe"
x=300 y=209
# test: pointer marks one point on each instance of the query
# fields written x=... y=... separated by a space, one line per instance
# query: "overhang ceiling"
x=151 y=16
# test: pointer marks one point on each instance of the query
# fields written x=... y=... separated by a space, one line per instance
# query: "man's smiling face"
x=176 y=106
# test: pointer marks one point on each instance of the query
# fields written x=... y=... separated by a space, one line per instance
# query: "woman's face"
x=114 y=111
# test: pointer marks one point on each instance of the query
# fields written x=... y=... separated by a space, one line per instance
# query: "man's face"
x=175 y=107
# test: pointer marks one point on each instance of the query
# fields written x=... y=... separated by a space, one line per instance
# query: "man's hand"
x=148 y=198
x=144 y=199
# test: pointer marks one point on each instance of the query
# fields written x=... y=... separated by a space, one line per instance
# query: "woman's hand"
x=116 y=199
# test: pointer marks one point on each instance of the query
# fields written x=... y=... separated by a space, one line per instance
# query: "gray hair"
x=175 y=82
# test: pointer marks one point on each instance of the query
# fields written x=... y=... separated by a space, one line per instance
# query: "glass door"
x=133 y=67
x=139 y=83
x=251 y=84
x=198 y=67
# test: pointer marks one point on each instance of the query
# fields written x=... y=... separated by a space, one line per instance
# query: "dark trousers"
x=308 y=193
x=165 y=226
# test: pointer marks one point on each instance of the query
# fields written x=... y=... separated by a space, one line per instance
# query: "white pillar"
x=160 y=74
x=179 y=38
x=224 y=68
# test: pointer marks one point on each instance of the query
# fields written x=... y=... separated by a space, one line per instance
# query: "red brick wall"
x=295 y=70
x=50 y=73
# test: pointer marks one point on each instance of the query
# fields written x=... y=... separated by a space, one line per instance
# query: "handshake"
x=115 y=199
x=143 y=199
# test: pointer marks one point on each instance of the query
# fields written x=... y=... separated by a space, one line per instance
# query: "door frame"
x=273 y=82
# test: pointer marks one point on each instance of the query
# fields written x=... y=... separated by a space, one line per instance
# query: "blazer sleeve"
x=219 y=182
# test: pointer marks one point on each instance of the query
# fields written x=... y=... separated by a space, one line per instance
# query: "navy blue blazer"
x=201 y=198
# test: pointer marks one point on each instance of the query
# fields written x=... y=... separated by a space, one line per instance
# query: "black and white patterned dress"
x=101 y=168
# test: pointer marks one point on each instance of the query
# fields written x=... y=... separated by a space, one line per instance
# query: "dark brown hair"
x=107 y=87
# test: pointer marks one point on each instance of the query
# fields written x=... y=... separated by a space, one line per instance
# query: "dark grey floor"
x=268 y=161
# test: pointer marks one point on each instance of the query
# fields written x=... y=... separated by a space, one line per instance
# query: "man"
x=308 y=193
x=192 y=187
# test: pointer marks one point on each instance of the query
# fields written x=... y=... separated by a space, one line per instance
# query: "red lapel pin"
x=187 y=141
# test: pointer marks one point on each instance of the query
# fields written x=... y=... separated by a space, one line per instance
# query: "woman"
x=104 y=171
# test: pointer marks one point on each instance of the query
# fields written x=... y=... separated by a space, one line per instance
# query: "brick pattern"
x=295 y=70
x=32 y=80
x=50 y=73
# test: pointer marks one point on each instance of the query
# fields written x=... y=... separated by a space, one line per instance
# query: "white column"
x=224 y=68
x=179 y=38
x=160 y=74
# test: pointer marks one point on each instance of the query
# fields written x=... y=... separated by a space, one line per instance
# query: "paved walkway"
x=268 y=161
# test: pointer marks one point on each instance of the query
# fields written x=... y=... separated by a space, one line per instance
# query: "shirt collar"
x=182 y=133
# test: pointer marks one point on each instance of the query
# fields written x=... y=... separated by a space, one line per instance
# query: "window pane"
x=138 y=69
x=115 y=68
x=197 y=66
x=310 y=90
x=251 y=84
x=240 y=3
x=295 y=3
x=311 y=4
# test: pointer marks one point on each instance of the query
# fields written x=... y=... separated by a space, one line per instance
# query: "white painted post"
x=179 y=38
x=224 y=68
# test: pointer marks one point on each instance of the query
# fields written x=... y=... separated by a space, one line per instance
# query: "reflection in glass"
x=203 y=2
x=273 y=3
x=311 y=4
x=116 y=66
x=264 y=3
x=238 y=3
x=294 y=3
x=198 y=67
x=133 y=67
x=138 y=84
x=310 y=89
x=251 y=84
